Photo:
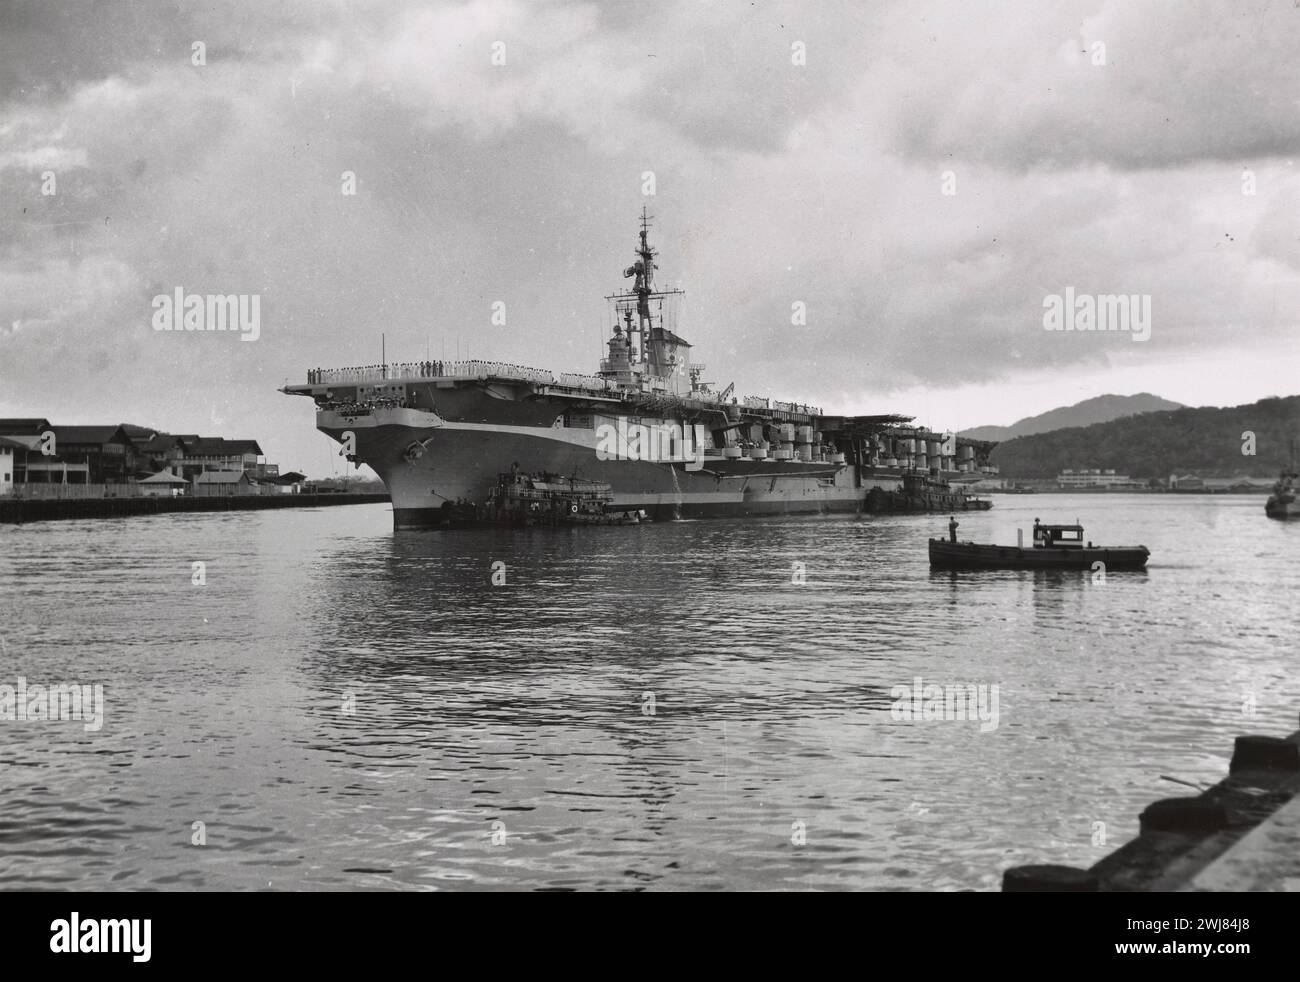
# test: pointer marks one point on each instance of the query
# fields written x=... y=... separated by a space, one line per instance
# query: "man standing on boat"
x=952 y=528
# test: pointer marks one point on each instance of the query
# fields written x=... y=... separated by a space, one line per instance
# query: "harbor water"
x=328 y=704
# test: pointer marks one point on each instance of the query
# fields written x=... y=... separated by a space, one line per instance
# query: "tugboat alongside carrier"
x=920 y=492
x=1055 y=547
x=552 y=499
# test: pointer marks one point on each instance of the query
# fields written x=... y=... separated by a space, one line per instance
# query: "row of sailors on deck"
x=406 y=369
x=320 y=376
x=423 y=369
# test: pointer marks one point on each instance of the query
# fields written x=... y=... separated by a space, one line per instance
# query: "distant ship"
x=1282 y=503
x=440 y=434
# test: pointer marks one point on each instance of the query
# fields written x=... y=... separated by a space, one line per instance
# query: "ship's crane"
x=726 y=392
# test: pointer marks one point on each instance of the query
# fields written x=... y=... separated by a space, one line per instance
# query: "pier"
x=1242 y=835
x=17 y=511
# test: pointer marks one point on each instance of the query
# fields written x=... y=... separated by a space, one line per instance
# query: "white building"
x=1092 y=479
x=7 y=448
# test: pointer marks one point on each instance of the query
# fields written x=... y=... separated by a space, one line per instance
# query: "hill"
x=1101 y=409
x=1205 y=441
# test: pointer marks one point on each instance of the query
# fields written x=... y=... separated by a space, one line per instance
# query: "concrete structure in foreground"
x=1267 y=858
x=1243 y=834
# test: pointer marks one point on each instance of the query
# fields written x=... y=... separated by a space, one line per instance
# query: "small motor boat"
x=1055 y=547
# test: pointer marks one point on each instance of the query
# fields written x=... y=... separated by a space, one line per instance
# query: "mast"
x=637 y=299
x=645 y=277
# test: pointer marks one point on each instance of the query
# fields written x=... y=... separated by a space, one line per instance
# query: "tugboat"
x=1282 y=503
x=922 y=492
x=1055 y=547
x=551 y=499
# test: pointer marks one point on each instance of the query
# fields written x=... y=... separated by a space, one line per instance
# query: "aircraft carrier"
x=440 y=434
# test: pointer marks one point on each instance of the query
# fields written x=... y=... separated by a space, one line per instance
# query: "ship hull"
x=460 y=462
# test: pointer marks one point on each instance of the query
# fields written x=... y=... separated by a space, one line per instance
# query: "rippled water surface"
x=652 y=707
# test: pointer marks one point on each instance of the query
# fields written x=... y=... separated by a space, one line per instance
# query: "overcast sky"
x=1104 y=146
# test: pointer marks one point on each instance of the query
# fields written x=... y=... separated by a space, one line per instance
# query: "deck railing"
x=485 y=370
x=481 y=370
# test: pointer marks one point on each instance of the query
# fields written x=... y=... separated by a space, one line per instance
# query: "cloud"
x=1063 y=85
x=41 y=298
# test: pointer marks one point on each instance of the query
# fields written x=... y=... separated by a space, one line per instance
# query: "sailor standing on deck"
x=952 y=528
x=1043 y=534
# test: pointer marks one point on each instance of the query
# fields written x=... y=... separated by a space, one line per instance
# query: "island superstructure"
x=440 y=434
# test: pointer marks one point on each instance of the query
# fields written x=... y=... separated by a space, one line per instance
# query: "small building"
x=162 y=485
x=223 y=483
x=24 y=439
x=290 y=483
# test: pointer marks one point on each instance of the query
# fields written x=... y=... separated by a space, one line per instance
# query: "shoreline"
x=19 y=511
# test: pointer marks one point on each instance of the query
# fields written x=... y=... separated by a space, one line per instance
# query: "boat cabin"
x=1057 y=536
